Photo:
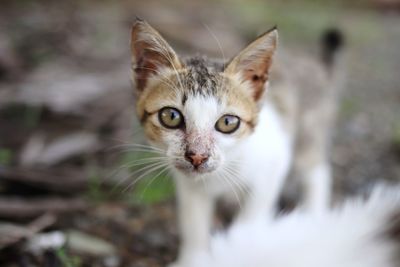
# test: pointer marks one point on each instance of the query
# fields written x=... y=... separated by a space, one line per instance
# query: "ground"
x=66 y=116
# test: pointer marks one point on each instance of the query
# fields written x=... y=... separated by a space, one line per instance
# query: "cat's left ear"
x=151 y=54
x=254 y=62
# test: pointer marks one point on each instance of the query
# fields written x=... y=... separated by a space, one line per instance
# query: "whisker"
x=236 y=182
x=204 y=182
x=148 y=164
x=219 y=46
x=143 y=161
x=228 y=181
x=149 y=171
x=144 y=168
x=143 y=146
x=137 y=162
x=152 y=180
x=237 y=178
x=140 y=152
x=136 y=147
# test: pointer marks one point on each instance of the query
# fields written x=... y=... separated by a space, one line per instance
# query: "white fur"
x=349 y=236
x=266 y=157
x=318 y=188
x=260 y=164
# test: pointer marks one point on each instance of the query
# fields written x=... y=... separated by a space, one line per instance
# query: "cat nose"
x=196 y=159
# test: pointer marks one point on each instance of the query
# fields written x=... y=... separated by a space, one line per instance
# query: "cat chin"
x=194 y=172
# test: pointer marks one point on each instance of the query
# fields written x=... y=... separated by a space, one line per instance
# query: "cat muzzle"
x=196 y=159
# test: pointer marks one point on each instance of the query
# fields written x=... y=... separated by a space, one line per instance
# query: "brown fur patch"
x=153 y=132
x=157 y=95
x=237 y=96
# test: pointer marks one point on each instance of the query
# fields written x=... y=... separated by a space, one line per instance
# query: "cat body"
x=220 y=133
x=359 y=233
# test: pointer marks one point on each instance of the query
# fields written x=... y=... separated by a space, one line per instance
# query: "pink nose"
x=196 y=159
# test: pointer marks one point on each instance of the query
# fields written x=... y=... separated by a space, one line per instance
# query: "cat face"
x=196 y=123
x=197 y=111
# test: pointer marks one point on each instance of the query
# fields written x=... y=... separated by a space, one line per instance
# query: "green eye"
x=227 y=124
x=170 y=118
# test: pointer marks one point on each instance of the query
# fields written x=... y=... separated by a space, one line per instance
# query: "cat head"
x=197 y=110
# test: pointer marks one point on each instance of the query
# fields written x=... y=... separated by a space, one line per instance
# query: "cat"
x=220 y=134
x=358 y=233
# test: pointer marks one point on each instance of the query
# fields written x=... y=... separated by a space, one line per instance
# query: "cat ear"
x=150 y=54
x=254 y=62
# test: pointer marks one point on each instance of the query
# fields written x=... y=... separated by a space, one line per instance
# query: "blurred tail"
x=332 y=40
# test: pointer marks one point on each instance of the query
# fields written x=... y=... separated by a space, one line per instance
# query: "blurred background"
x=67 y=116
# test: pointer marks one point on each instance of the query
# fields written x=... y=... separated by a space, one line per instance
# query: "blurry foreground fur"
x=359 y=233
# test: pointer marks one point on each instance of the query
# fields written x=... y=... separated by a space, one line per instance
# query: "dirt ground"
x=66 y=115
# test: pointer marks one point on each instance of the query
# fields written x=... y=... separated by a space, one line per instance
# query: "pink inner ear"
x=145 y=61
x=257 y=78
x=145 y=67
x=148 y=62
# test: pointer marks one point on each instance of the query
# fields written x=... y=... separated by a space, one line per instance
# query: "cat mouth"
x=190 y=169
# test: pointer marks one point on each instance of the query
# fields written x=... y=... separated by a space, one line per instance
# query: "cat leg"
x=266 y=176
x=195 y=211
x=311 y=165
x=259 y=204
x=313 y=171
x=263 y=194
x=317 y=183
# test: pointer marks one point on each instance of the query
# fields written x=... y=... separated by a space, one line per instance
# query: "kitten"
x=359 y=233
x=223 y=134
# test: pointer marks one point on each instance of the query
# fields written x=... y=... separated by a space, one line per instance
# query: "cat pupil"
x=226 y=121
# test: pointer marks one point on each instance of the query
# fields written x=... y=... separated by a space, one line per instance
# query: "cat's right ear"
x=254 y=62
x=150 y=54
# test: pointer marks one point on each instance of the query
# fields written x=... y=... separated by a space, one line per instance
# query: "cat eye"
x=227 y=124
x=170 y=118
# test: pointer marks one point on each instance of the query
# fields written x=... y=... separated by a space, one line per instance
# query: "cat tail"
x=332 y=42
x=359 y=233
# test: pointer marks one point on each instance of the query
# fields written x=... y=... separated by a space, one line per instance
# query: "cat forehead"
x=202 y=76
x=204 y=65
x=201 y=110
